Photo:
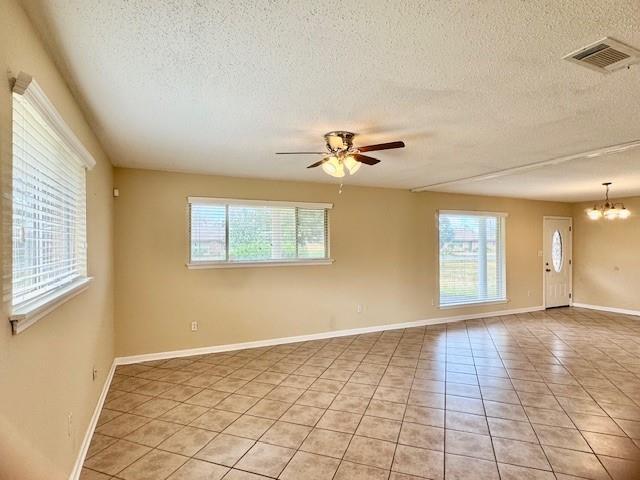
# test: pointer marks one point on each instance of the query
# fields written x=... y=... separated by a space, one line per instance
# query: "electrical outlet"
x=359 y=308
x=194 y=326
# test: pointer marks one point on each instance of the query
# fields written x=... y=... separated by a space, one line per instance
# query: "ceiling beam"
x=599 y=152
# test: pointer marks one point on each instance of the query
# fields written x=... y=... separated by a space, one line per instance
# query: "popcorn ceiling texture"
x=472 y=87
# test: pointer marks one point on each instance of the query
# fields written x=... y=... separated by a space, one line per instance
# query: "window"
x=49 y=249
x=226 y=232
x=472 y=258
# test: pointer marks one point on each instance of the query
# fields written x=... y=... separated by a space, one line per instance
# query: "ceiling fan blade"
x=365 y=159
x=317 y=164
x=381 y=146
x=301 y=153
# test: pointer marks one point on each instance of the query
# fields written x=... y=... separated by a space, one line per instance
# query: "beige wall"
x=45 y=372
x=383 y=242
x=607 y=258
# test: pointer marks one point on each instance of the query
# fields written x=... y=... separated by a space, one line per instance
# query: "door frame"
x=544 y=277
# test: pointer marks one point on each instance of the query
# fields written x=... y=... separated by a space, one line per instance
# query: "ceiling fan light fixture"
x=352 y=164
x=334 y=167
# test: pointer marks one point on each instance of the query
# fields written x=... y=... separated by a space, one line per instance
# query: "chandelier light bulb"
x=624 y=213
x=611 y=214
x=594 y=213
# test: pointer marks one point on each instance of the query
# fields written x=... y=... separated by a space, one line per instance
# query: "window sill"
x=473 y=304
x=202 y=265
x=26 y=315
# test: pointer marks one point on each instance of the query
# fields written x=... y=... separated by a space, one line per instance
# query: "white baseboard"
x=77 y=467
x=623 y=311
x=315 y=336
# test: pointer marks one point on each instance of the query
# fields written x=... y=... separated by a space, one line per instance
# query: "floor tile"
x=419 y=462
x=225 y=449
x=265 y=459
x=595 y=423
x=458 y=468
x=98 y=443
x=286 y=434
x=466 y=422
x=152 y=433
x=384 y=409
x=309 y=466
x=116 y=457
x=520 y=453
x=156 y=465
x=249 y=427
x=272 y=409
x=621 y=469
x=512 y=429
x=326 y=442
x=370 y=451
x=348 y=403
x=380 y=428
x=513 y=472
x=422 y=436
x=122 y=425
x=339 y=421
x=469 y=444
x=354 y=471
x=612 y=445
x=579 y=464
x=303 y=415
x=561 y=437
x=187 y=441
x=215 y=420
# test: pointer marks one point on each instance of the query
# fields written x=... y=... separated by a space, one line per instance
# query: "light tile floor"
x=538 y=396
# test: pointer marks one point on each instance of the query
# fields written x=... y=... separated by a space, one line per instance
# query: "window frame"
x=503 y=238
x=199 y=264
x=27 y=313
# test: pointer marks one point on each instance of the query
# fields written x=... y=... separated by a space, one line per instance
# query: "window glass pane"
x=208 y=234
x=48 y=197
x=471 y=258
x=237 y=233
x=556 y=251
x=311 y=233
x=261 y=233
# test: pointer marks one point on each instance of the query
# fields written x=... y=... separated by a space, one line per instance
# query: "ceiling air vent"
x=605 y=56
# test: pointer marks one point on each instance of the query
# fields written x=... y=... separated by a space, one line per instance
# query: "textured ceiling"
x=470 y=86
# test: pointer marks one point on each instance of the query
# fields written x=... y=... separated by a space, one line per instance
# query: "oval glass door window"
x=556 y=251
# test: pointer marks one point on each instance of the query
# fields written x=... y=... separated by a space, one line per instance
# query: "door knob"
x=547 y=269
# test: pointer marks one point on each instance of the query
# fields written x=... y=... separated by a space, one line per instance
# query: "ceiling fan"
x=343 y=154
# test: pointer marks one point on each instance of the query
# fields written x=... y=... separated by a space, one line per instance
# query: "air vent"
x=605 y=56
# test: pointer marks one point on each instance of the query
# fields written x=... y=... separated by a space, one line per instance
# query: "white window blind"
x=472 y=257
x=49 y=250
x=226 y=231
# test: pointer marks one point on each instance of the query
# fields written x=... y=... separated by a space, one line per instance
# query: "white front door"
x=557 y=262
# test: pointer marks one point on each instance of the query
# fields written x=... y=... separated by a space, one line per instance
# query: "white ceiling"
x=470 y=86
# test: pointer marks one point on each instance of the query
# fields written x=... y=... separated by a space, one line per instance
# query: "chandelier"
x=609 y=210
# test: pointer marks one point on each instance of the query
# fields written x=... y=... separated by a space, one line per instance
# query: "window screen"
x=228 y=231
x=472 y=258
